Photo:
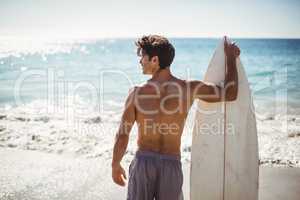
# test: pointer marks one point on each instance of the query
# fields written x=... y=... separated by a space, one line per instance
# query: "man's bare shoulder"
x=151 y=87
x=187 y=83
x=146 y=87
x=180 y=81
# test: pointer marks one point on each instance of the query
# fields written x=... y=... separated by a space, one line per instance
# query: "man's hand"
x=118 y=174
x=231 y=50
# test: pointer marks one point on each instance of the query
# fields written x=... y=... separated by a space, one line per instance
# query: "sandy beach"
x=37 y=175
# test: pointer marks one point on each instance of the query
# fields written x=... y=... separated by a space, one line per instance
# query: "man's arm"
x=122 y=137
x=213 y=93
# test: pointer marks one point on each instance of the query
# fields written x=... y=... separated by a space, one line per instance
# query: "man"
x=160 y=107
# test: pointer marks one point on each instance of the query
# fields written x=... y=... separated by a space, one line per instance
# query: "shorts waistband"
x=144 y=153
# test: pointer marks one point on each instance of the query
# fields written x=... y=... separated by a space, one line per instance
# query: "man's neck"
x=162 y=75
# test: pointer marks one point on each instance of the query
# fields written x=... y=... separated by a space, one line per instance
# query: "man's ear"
x=155 y=59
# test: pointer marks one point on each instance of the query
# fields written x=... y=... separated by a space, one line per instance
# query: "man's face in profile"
x=149 y=65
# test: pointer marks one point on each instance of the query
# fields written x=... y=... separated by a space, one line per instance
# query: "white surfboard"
x=224 y=158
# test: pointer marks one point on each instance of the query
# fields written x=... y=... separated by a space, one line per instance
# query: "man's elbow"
x=122 y=138
x=232 y=94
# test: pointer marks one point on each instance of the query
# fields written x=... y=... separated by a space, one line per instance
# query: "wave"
x=31 y=127
x=72 y=108
x=263 y=73
x=19 y=48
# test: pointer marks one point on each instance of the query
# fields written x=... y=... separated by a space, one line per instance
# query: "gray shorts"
x=155 y=176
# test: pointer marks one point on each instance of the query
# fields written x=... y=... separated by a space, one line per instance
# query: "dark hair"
x=155 y=45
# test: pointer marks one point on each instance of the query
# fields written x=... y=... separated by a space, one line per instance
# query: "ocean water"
x=108 y=68
x=49 y=88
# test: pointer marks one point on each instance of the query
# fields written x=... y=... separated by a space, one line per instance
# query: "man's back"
x=161 y=110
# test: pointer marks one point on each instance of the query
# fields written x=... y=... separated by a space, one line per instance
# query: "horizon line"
x=134 y=37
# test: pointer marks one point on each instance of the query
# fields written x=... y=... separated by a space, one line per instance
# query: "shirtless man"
x=160 y=107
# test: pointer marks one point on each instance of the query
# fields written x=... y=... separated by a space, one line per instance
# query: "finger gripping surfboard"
x=224 y=157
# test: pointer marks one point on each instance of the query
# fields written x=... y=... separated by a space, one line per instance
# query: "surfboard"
x=224 y=155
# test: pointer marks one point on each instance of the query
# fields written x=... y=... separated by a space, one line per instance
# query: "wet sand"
x=35 y=175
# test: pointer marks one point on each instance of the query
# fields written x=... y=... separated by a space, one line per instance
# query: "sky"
x=132 y=18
